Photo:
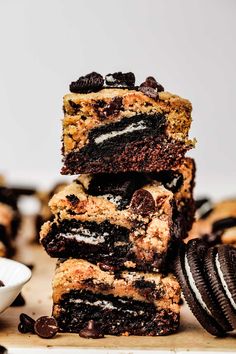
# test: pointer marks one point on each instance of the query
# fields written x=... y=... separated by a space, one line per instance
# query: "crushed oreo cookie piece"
x=1 y=284
x=19 y=301
x=26 y=324
x=113 y=107
x=46 y=327
x=3 y=350
x=142 y=202
x=149 y=91
x=120 y=79
x=90 y=331
x=92 y=82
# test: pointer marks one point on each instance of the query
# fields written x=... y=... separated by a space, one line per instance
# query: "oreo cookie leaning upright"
x=208 y=282
x=112 y=125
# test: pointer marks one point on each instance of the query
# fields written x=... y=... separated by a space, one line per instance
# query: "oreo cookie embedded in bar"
x=120 y=127
x=125 y=220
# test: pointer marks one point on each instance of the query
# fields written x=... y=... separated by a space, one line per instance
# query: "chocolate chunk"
x=113 y=107
x=142 y=202
x=90 y=331
x=224 y=224
x=3 y=350
x=152 y=83
x=107 y=267
x=19 y=301
x=46 y=327
x=1 y=284
x=72 y=199
x=120 y=79
x=92 y=82
x=26 y=324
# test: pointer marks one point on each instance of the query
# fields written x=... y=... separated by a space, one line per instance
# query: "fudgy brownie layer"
x=151 y=153
x=113 y=315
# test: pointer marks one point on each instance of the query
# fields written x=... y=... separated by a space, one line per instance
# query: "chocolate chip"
x=90 y=331
x=3 y=350
x=149 y=91
x=46 y=327
x=113 y=107
x=76 y=106
x=72 y=199
x=152 y=83
x=142 y=202
x=107 y=267
x=26 y=324
x=92 y=82
x=1 y=284
x=120 y=79
x=19 y=301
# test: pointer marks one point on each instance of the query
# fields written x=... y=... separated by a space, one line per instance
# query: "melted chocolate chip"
x=120 y=79
x=72 y=199
x=1 y=284
x=76 y=106
x=107 y=267
x=92 y=82
x=90 y=331
x=113 y=107
x=142 y=202
x=26 y=324
x=46 y=327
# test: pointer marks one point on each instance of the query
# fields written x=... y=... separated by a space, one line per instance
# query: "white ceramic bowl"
x=14 y=275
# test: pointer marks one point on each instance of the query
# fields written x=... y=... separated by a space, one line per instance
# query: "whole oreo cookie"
x=191 y=292
x=92 y=82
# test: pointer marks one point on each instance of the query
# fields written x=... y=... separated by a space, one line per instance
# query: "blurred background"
x=188 y=45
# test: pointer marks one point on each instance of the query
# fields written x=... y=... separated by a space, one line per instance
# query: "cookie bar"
x=124 y=220
x=118 y=127
x=133 y=303
x=215 y=222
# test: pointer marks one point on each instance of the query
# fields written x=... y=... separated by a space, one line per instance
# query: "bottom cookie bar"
x=127 y=303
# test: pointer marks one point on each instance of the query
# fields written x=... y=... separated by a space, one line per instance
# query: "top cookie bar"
x=114 y=126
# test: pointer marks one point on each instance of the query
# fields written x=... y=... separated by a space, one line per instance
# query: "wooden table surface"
x=38 y=303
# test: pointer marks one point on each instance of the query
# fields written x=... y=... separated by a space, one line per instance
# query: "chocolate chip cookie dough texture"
x=116 y=227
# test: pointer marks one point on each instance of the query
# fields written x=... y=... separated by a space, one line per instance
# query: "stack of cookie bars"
x=117 y=226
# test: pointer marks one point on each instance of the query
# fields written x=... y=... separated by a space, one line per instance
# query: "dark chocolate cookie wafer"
x=213 y=271
x=195 y=252
x=227 y=261
x=205 y=319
